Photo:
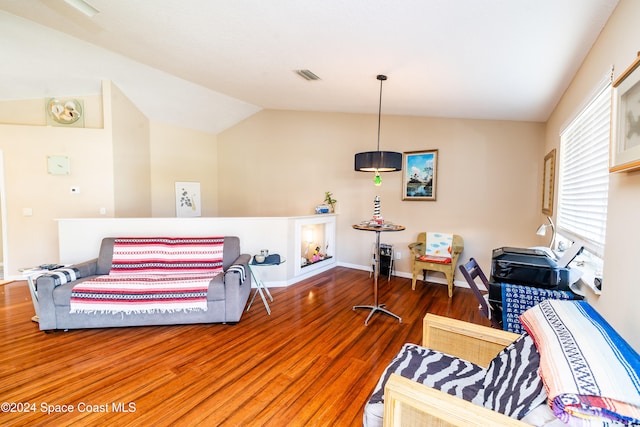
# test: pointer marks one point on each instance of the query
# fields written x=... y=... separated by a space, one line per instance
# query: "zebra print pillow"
x=438 y=370
x=512 y=385
x=452 y=375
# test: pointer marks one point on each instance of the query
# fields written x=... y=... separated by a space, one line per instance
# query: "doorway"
x=3 y=221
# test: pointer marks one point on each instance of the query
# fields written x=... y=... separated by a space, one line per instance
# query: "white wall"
x=79 y=238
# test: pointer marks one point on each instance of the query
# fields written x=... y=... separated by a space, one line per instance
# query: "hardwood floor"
x=313 y=362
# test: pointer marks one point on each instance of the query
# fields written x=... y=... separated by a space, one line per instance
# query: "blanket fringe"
x=136 y=312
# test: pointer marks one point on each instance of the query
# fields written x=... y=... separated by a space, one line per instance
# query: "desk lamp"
x=542 y=230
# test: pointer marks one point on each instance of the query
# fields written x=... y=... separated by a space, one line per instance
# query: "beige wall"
x=32 y=111
x=131 y=157
x=618 y=46
x=121 y=168
x=282 y=162
x=179 y=155
x=33 y=239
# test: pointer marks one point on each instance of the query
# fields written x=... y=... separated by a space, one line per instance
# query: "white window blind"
x=584 y=173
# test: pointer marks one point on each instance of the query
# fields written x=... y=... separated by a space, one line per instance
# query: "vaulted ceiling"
x=207 y=64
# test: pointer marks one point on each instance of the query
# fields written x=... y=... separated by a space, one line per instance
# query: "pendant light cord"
x=381 y=78
x=378 y=161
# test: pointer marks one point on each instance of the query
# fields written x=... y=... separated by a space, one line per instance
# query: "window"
x=584 y=175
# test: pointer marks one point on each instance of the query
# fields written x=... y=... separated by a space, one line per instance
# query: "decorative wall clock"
x=64 y=112
x=58 y=165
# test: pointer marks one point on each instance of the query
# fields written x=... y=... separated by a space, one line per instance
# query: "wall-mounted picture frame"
x=420 y=175
x=548 y=182
x=625 y=121
x=188 y=201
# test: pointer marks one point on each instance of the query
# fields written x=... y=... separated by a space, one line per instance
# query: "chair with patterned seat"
x=435 y=252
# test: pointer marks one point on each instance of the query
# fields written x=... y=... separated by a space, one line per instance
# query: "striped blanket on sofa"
x=153 y=275
x=591 y=374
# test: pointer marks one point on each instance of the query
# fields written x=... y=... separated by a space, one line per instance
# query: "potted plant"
x=329 y=200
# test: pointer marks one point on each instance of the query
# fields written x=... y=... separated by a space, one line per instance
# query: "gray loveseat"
x=227 y=295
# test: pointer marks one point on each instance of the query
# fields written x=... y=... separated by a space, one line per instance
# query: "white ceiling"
x=207 y=64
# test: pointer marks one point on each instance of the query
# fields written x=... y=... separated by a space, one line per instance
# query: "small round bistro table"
x=377 y=307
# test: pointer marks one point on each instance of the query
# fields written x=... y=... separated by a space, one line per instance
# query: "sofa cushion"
x=452 y=375
x=62 y=293
x=438 y=245
x=512 y=385
x=435 y=259
x=230 y=255
x=167 y=255
x=231 y=251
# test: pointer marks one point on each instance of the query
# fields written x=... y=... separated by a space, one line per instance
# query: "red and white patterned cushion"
x=167 y=255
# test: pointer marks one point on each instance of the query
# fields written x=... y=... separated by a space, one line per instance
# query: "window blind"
x=584 y=173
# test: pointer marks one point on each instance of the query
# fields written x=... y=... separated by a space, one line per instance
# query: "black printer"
x=536 y=267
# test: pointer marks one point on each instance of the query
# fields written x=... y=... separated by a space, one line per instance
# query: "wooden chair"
x=470 y=271
x=418 y=250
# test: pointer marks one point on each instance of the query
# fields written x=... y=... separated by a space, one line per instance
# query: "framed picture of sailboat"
x=420 y=175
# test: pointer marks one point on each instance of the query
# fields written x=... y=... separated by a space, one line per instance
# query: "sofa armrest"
x=408 y=402
x=237 y=290
x=44 y=291
x=475 y=343
x=243 y=259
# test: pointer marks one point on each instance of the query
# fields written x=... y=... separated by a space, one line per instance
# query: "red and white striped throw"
x=153 y=275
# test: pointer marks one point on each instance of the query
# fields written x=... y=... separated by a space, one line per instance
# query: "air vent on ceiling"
x=307 y=75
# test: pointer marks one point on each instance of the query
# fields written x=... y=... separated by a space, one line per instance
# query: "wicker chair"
x=407 y=402
x=420 y=267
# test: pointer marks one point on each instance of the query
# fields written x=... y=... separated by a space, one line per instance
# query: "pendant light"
x=378 y=161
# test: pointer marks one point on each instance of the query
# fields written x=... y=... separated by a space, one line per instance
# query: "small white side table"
x=31 y=274
x=260 y=287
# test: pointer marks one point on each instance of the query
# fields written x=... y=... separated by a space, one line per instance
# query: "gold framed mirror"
x=548 y=182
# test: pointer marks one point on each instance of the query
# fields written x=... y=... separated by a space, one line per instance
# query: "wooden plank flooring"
x=313 y=362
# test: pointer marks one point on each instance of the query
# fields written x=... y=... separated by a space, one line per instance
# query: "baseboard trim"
x=407 y=275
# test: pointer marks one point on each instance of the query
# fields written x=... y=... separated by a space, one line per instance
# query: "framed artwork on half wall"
x=188 y=199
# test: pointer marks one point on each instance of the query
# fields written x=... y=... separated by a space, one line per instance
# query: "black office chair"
x=471 y=270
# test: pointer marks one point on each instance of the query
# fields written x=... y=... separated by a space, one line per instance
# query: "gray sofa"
x=227 y=295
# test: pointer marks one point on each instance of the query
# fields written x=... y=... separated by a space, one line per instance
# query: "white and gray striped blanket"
x=63 y=275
